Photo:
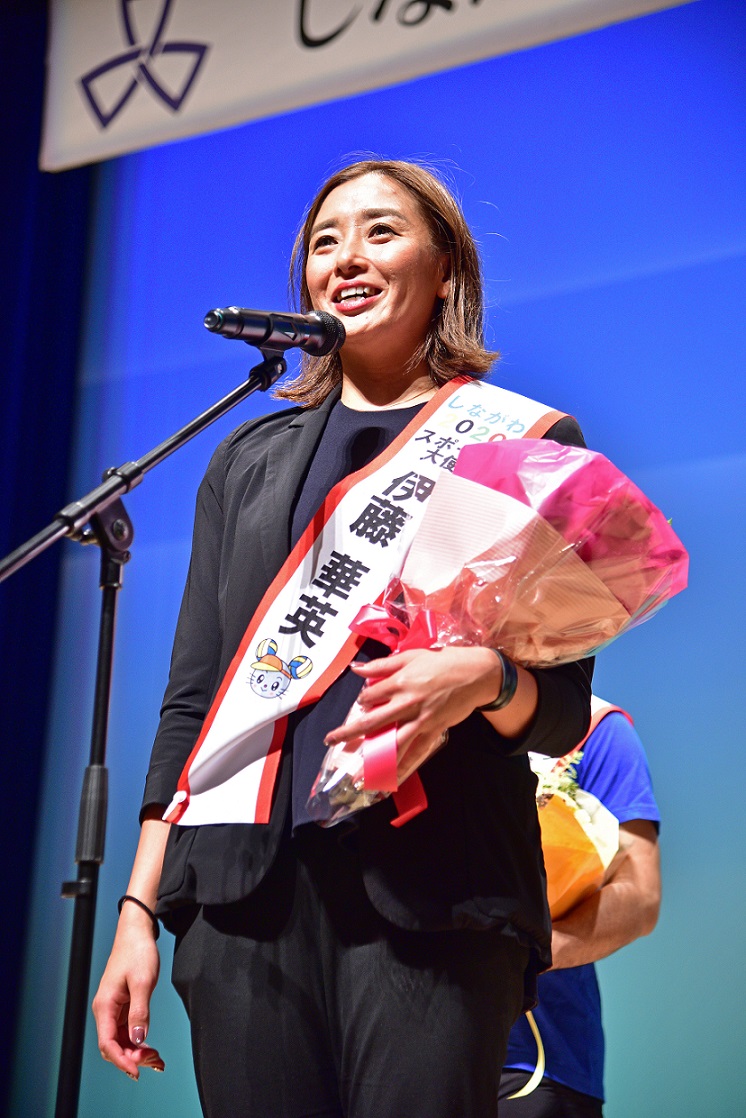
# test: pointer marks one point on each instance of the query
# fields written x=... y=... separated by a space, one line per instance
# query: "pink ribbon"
x=380 y=750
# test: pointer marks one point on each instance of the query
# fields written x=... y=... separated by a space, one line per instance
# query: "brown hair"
x=455 y=340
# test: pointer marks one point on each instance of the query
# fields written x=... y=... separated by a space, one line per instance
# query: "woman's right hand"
x=122 y=1003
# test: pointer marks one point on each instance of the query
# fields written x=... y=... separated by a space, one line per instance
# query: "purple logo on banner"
x=139 y=66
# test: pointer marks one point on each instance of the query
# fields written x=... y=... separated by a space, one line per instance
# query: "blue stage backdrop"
x=604 y=177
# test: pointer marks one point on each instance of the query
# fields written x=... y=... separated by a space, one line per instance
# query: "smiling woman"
x=372 y=261
x=368 y=969
x=404 y=202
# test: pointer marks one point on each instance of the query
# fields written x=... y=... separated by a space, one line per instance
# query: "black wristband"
x=144 y=907
x=509 y=684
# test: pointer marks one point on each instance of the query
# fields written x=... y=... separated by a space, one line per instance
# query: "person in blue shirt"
x=566 y=1027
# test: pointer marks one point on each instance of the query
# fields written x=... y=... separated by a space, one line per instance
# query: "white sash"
x=299 y=641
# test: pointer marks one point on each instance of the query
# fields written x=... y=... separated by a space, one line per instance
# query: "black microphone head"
x=317 y=333
x=333 y=335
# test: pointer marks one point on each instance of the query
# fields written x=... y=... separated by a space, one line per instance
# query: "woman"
x=367 y=968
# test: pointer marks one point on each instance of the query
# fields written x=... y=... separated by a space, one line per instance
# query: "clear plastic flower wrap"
x=547 y=552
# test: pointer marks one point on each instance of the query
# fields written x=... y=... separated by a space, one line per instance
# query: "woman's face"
x=372 y=263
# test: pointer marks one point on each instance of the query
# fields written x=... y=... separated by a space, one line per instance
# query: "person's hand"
x=122 y=1003
x=423 y=693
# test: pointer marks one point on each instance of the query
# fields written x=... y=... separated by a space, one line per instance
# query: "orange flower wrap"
x=580 y=838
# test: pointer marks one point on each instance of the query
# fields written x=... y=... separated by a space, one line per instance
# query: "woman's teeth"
x=355 y=293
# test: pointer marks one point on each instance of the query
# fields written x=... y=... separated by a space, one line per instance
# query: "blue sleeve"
x=614 y=769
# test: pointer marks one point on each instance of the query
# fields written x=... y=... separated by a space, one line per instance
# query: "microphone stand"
x=100 y=518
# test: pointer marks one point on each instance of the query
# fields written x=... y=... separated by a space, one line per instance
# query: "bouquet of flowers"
x=546 y=552
x=579 y=836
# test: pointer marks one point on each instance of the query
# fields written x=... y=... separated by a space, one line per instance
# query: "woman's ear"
x=445 y=282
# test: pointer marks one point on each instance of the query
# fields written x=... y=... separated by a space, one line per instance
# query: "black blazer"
x=473 y=858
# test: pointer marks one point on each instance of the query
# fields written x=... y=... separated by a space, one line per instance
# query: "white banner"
x=128 y=74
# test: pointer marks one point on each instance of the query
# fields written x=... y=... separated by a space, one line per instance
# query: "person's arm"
x=624 y=909
x=122 y=1003
x=426 y=692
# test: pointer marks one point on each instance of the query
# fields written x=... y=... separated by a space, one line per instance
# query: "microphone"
x=317 y=333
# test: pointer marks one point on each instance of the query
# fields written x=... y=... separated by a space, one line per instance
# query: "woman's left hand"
x=423 y=692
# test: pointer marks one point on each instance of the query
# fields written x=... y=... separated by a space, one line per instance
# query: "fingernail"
x=138 y=1035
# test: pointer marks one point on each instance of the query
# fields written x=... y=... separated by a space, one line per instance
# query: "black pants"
x=549 y=1100
x=305 y=1003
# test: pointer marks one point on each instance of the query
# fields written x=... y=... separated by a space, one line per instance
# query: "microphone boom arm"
x=73 y=518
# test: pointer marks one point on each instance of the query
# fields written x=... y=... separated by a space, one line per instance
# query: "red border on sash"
x=269 y=772
x=539 y=429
